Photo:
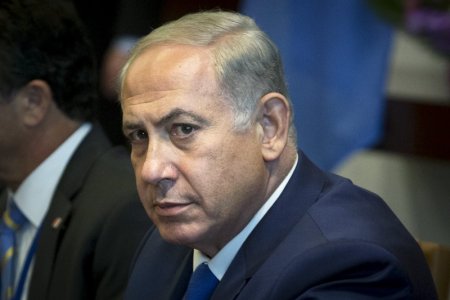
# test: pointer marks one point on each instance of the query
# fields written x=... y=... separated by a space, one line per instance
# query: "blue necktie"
x=11 y=221
x=202 y=284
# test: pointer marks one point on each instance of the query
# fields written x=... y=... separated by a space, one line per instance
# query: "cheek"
x=215 y=177
x=137 y=161
x=144 y=189
x=146 y=195
x=143 y=194
x=242 y=168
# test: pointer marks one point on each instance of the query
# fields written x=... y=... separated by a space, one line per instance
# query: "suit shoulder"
x=111 y=175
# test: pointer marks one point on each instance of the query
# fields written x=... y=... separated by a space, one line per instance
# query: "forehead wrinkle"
x=170 y=65
x=147 y=97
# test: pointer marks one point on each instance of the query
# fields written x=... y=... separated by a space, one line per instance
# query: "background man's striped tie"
x=11 y=221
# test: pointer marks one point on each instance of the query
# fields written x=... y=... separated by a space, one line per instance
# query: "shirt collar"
x=34 y=195
x=221 y=261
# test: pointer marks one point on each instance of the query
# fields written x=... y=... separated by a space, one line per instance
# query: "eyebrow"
x=173 y=114
x=178 y=112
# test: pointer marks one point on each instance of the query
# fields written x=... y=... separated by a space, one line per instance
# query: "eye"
x=183 y=130
x=137 y=136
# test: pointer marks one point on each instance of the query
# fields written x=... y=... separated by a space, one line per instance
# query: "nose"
x=158 y=166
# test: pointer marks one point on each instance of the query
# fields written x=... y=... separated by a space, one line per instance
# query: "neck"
x=280 y=168
x=40 y=143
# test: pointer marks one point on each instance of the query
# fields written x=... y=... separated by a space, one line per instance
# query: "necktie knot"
x=202 y=284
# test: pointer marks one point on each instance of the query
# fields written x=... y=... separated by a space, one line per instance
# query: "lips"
x=170 y=209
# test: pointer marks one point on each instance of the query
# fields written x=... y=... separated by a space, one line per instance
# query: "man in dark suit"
x=207 y=112
x=77 y=192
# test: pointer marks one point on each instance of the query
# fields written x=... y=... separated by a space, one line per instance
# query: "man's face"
x=200 y=180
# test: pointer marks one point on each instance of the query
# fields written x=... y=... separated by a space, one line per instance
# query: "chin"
x=179 y=234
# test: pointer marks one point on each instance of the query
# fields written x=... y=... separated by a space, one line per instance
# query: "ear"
x=35 y=100
x=274 y=120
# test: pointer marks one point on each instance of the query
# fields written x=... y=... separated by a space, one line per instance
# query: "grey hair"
x=247 y=63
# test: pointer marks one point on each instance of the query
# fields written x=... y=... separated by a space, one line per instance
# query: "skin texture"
x=197 y=182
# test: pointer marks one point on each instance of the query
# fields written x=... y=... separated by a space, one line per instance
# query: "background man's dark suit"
x=322 y=239
x=87 y=255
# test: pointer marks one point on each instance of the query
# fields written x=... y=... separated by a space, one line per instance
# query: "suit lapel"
x=51 y=233
x=178 y=287
x=91 y=148
x=58 y=216
x=156 y=276
x=300 y=193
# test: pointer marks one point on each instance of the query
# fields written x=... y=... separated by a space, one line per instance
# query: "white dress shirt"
x=222 y=260
x=34 y=195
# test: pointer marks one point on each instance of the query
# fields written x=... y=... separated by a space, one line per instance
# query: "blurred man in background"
x=71 y=216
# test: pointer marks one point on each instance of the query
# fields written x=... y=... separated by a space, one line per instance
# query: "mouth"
x=170 y=209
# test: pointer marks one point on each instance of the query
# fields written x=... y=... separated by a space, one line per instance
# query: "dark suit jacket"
x=324 y=238
x=88 y=255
